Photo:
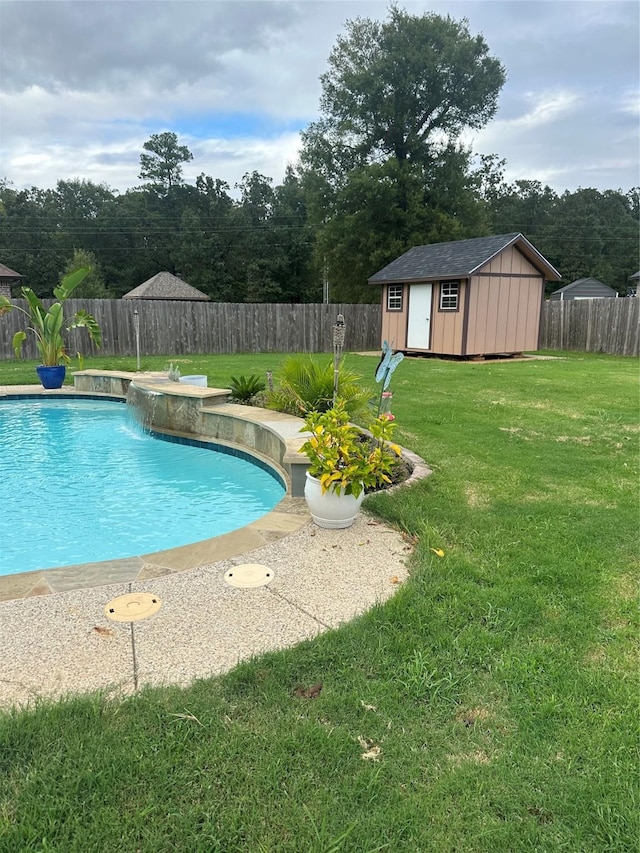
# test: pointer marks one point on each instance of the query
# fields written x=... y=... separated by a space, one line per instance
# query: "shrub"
x=307 y=386
x=344 y=459
x=244 y=388
x=47 y=324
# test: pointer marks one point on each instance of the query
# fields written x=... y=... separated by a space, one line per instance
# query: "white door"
x=419 y=325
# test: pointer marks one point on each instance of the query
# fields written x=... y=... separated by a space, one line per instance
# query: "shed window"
x=449 y=295
x=394 y=297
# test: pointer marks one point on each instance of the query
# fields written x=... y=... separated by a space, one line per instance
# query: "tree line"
x=381 y=170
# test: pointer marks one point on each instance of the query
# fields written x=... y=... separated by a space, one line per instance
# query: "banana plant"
x=48 y=325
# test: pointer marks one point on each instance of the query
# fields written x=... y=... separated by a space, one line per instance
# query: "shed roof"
x=458 y=259
x=5 y=272
x=165 y=285
x=586 y=283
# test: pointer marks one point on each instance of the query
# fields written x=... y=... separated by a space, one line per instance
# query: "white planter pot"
x=333 y=509
x=195 y=379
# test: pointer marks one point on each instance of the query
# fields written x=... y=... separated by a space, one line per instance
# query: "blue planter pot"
x=51 y=377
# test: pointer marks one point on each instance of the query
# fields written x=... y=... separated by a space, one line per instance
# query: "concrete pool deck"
x=56 y=639
x=55 y=645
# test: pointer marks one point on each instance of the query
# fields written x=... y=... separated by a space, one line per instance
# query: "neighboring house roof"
x=585 y=286
x=5 y=272
x=459 y=259
x=635 y=276
x=165 y=285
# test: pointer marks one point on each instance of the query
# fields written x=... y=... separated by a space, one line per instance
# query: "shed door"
x=419 y=325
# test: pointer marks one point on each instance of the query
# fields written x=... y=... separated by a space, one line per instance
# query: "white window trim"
x=456 y=295
x=398 y=296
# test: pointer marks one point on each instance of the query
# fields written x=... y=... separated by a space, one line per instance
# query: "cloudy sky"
x=84 y=84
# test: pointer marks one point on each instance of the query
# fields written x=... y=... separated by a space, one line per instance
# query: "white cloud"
x=546 y=108
x=630 y=102
x=231 y=158
x=86 y=83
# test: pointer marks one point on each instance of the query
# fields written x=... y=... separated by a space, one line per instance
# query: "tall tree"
x=161 y=168
x=525 y=206
x=594 y=233
x=294 y=235
x=81 y=202
x=276 y=240
x=384 y=168
x=211 y=239
x=87 y=215
x=586 y=233
x=91 y=287
x=31 y=239
x=395 y=88
x=386 y=208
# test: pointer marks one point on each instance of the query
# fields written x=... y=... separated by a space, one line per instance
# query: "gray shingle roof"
x=165 y=285
x=458 y=259
x=586 y=284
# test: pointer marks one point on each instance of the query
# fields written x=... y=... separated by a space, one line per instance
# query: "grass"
x=218 y=368
x=491 y=705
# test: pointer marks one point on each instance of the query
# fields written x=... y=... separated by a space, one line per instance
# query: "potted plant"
x=47 y=327
x=343 y=463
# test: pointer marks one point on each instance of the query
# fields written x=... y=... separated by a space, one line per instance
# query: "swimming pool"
x=81 y=482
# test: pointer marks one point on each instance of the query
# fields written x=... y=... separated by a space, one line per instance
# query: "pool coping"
x=288 y=516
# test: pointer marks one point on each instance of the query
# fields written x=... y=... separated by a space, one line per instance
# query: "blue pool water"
x=81 y=482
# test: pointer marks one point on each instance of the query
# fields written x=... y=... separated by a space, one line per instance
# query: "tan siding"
x=446 y=326
x=534 y=304
x=436 y=330
x=458 y=340
x=521 y=319
x=504 y=314
x=527 y=321
x=394 y=323
x=523 y=266
x=491 y=320
x=510 y=262
x=478 y=313
x=471 y=316
x=514 y=317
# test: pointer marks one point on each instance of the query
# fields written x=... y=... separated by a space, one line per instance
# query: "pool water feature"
x=81 y=482
x=142 y=403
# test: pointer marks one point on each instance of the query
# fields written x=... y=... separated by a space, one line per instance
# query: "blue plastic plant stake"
x=386 y=366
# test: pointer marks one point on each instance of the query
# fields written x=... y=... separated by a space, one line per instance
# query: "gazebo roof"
x=5 y=272
x=165 y=285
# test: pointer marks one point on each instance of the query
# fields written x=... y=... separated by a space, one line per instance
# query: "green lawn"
x=499 y=685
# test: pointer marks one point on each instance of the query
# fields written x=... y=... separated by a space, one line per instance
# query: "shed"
x=584 y=288
x=165 y=285
x=7 y=278
x=465 y=298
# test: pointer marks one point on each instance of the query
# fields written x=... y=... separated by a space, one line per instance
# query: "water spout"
x=142 y=404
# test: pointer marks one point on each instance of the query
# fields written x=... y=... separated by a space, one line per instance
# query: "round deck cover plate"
x=249 y=575
x=132 y=607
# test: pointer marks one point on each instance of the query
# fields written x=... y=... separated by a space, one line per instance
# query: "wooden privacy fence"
x=592 y=325
x=187 y=328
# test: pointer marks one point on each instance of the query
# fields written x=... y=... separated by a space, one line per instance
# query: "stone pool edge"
x=289 y=515
x=201 y=414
